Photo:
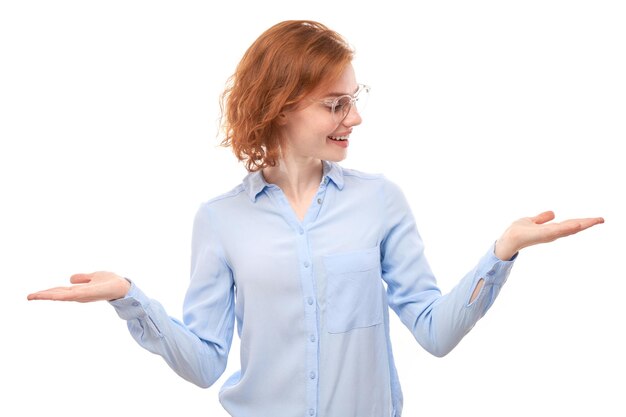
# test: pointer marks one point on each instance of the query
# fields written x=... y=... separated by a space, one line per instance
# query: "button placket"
x=310 y=316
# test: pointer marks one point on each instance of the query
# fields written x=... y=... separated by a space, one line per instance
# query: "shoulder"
x=226 y=197
x=368 y=179
x=356 y=175
x=224 y=201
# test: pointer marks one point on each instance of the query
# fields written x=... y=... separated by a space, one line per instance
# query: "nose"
x=353 y=118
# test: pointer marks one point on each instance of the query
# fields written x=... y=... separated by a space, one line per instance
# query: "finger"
x=595 y=220
x=577 y=225
x=56 y=293
x=80 y=278
x=544 y=217
x=74 y=293
x=573 y=226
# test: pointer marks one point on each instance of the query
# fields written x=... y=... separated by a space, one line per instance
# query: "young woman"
x=305 y=256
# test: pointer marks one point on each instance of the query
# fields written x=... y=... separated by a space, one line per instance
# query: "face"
x=311 y=132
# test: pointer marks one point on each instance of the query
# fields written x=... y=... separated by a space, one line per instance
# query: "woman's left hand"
x=530 y=231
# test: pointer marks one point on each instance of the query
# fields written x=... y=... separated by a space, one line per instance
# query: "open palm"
x=529 y=231
x=96 y=286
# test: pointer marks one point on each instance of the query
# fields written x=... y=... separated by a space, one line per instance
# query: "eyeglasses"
x=340 y=106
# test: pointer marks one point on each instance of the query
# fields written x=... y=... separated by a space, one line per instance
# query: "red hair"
x=287 y=63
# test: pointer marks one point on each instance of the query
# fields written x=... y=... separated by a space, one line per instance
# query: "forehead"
x=345 y=85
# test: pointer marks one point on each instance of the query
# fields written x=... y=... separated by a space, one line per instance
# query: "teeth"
x=338 y=137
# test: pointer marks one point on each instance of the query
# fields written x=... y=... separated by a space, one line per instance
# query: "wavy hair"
x=287 y=63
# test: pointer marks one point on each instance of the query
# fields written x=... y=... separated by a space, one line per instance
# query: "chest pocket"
x=353 y=290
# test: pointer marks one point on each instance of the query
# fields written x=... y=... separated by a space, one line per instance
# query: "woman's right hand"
x=96 y=286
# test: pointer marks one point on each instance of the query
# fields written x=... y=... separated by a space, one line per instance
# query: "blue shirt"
x=309 y=299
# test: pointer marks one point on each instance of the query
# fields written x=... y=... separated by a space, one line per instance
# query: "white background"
x=483 y=111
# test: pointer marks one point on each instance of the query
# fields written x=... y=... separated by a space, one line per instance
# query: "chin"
x=337 y=155
x=336 y=158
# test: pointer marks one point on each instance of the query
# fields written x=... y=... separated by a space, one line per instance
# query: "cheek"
x=311 y=124
x=319 y=128
x=328 y=127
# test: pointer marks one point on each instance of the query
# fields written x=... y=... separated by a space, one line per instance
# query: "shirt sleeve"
x=438 y=322
x=197 y=348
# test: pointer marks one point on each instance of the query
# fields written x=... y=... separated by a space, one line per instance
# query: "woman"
x=305 y=255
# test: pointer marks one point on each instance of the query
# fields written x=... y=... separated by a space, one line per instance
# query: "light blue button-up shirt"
x=309 y=299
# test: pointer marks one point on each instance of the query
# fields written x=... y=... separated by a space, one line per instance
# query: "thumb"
x=544 y=217
x=80 y=278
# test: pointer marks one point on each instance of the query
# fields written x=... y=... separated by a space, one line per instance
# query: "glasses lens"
x=361 y=98
x=342 y=108
x=342 y=105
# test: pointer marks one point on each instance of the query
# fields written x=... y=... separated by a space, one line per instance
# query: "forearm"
x=198 y=361
x=446 y=319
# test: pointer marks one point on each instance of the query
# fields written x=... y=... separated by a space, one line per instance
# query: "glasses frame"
x=332 y=102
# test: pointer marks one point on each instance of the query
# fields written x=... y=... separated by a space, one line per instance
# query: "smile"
x=338 y=138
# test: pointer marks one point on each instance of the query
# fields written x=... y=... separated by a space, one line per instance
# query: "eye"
x=342 y=102
x=329 y=104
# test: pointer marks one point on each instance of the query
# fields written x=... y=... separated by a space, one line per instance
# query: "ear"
x=282 y=119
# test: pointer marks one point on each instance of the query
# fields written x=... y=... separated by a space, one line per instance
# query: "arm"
x=196 y=349
x=439 y=322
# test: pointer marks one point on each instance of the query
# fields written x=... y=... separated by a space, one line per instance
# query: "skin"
x=306 y=133
x=299 y=173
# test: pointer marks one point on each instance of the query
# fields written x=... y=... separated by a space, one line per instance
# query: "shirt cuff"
x=494 y=270
x=133 y=306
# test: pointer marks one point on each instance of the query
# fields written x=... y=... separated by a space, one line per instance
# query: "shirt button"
x=311 y=411
x=306 y=264
x=301 y=231
x=312 y=375
x=310 y=301
x=319 y=201
x=491 y=273
x=312 y=338
x=135 y=304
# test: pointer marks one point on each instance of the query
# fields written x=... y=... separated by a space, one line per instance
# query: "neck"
x=297 y=178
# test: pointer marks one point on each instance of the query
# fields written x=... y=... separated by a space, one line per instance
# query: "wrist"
x=122 y=288
x=504 y=250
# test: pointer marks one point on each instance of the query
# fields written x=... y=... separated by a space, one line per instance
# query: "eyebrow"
x=335 y=94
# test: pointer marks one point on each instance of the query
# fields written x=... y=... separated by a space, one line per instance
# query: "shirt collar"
x=333 y=172
x=254 y=183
